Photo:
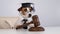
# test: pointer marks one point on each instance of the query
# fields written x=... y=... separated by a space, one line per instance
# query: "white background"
x=47 y=10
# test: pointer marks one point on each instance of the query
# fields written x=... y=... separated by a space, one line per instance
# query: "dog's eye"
x=25 y=9
x=31 y=9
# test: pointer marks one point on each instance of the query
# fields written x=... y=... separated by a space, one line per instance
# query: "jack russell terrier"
x=26 y=12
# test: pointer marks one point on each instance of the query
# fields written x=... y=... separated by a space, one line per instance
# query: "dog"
x=26 y=12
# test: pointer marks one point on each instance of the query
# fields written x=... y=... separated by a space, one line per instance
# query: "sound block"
x=36 y=29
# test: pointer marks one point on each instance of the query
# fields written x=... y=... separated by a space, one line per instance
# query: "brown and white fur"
x=25 y=13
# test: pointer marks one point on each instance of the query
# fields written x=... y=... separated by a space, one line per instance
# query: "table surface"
x=48 y=30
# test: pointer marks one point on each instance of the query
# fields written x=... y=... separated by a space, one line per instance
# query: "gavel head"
x=35 y=20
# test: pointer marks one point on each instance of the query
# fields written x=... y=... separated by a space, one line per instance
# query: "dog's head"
x=26 y=11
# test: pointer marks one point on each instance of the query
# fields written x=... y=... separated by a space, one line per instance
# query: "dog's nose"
x=29 y=15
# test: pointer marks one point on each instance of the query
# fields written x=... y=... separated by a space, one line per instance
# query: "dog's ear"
x=32 y=9
x=20 y=9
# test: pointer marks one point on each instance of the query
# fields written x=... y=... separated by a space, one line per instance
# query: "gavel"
x=34 y=21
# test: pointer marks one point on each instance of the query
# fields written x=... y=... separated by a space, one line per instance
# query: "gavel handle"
x=26 y=24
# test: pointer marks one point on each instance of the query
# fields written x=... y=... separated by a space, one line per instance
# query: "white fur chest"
x=20 y=22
